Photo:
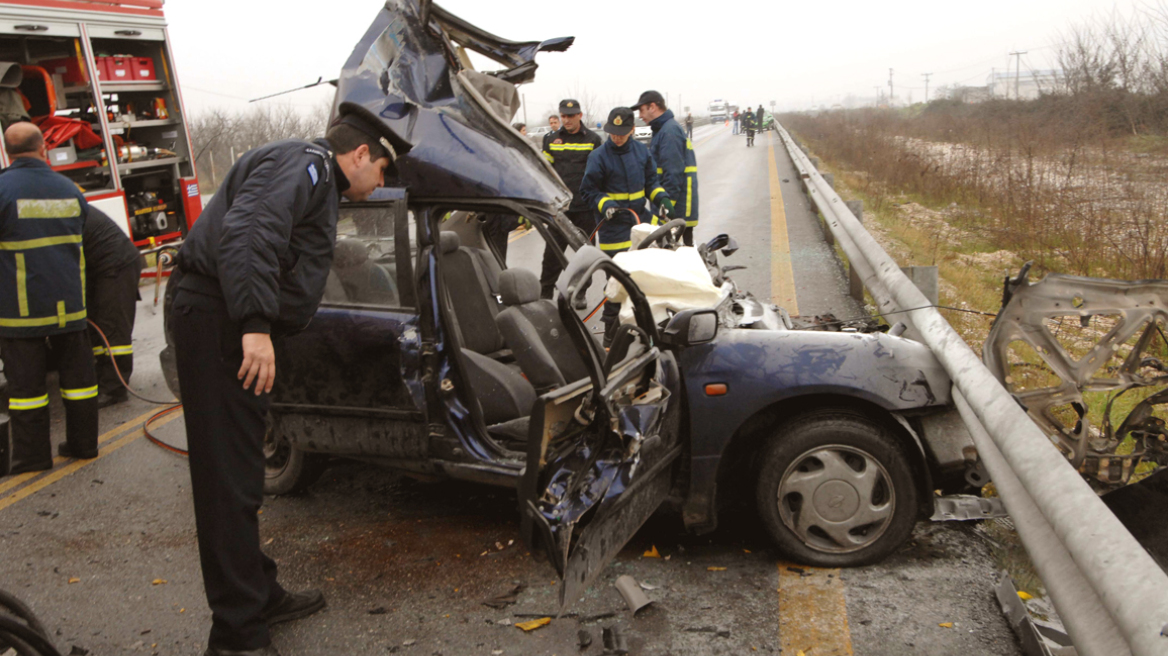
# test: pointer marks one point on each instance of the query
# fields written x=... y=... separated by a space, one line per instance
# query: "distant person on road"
x=521 y=128
x=256 y=263
x=619 y=175
x=689 y=126
x=568 y=149
x=748 y=127
x=758 y=118
x=42 y=303
x=554 y=122
x=676 y=163
x=113 y=268
x=735 y=122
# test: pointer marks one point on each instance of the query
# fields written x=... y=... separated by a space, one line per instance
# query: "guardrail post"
x=855 y=285
x=925 y=278
x=815 y=163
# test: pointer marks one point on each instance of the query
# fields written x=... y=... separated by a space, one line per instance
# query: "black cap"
x=569 y=106
x=365 y=121
x=620 y=121
x=650 y=97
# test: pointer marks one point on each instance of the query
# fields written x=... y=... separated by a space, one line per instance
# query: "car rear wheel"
x=287 y=469
x=835 y=489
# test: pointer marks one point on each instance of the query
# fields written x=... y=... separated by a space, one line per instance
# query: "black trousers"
x=25 y=365
x=225 y=436
x=550 y=272
x=113 y=301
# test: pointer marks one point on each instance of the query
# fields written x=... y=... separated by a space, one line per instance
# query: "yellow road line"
x=127 y=426
x=813 y=614
x=782 y=274
x=58 y=474
x=516 y=235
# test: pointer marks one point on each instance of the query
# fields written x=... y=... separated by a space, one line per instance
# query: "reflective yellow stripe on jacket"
x=79 y=394
x=616 y=246
x=28 y=404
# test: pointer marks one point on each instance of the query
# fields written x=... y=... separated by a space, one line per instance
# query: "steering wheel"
x=665 y=232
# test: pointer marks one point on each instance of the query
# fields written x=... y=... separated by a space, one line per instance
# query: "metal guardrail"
x=1110 y=594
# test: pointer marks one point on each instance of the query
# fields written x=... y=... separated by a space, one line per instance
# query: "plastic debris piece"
x=407 y=643
x=159 y=582
x=634 y=598
x=946 y=625
x=74 y=579
x=500 y=546
x=748 y=551
x=651 y=553
x=534 y=624
x=715 y=569
x=1025 y=596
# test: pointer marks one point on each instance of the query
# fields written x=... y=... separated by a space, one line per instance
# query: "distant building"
x=1027 y=86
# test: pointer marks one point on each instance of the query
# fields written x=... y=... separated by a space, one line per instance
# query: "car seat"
x=532 y=329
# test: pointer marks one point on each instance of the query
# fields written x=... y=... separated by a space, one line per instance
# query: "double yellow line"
x=116 y=438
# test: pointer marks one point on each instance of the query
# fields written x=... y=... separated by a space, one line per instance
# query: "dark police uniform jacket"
x=42 y=263
x=265 y=241
x=568 y=154
x=107 y=249
x=621 y=177
x=677 y=165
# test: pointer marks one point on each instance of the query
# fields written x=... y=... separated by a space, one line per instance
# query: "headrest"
x=518 y=286
x=448 y=241
x=349 y=253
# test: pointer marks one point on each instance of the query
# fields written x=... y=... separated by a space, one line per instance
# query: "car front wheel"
x=287 y=469
x=836 y=489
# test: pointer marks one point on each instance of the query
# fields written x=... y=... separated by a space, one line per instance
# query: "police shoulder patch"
x=313 y=174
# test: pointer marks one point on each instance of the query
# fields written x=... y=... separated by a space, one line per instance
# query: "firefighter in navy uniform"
x=676 y=163
x=113 y=268
x=620 y=177
x=253 y=265
x=42 y=302
x=568 y=149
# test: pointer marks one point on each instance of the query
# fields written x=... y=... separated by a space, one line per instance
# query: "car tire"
x=287 y=469
x=836 y=489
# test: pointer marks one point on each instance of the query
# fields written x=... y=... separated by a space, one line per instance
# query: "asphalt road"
x=104 y=550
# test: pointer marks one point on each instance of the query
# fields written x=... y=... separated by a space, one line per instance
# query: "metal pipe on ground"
x=1129 y=584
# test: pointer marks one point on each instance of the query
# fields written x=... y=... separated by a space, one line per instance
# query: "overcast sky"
x=748 y=52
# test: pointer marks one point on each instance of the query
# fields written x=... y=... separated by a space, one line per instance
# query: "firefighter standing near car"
x=676 y=163
x=568 y=149
x=113 y=267
x=255 y=264
x=621 y=175
x=42 y=303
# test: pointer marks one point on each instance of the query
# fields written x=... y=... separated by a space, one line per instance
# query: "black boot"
x=293 y=606
x=29 y=455
x=66 y=450
x=118 y=395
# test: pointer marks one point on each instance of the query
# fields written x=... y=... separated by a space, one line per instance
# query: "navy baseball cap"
x=620 y=121
x=570 y=106
x=649 y=97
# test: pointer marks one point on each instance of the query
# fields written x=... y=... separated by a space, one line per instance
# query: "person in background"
x=521 y=128
x=113 y=268
x=568 y=149
x=735 y=122
x=619 y=175
x=758 y=118
x=554 y=122
x=676 y=163
x=689 y=126
x=42 y=303
x=748 y=127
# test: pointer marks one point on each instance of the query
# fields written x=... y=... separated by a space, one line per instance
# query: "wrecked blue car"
x=431 y=357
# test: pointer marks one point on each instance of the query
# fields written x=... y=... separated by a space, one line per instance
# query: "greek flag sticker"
x=313 y=174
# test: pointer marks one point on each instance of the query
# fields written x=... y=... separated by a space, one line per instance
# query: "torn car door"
x=601 y=450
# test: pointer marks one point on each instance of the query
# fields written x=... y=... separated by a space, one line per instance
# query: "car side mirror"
x=691 y=327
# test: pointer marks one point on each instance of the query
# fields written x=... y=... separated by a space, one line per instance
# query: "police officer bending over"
x=255 y=264
x=113 y=268
x=42 y=295
x=619 y=175
x=676 y=163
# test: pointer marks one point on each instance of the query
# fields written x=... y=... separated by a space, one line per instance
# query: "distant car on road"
x=642 y=132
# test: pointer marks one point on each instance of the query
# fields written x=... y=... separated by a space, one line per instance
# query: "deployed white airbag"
x=672 y=281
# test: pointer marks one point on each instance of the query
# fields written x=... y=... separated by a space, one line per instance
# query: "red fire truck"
x=98 y=78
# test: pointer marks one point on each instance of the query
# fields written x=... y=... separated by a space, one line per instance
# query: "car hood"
x=451 y=124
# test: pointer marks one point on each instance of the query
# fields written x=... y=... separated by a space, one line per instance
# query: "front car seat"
x=532 y=328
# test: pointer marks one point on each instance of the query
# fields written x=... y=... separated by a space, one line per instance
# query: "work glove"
x=609 y=212
x=665 y=209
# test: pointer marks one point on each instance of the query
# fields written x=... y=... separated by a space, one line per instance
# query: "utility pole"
x=877 y=88
x=891 y=91
x=926 y=76
x=1017 y=71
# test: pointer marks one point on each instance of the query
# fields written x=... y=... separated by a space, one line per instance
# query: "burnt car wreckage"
x=431 y=357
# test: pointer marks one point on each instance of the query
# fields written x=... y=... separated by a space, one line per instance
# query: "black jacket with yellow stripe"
x=42 y=263
x=568 y=154
x=621 y=178
x=677 y=165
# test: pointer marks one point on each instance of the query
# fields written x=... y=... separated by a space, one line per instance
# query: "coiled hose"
x=21 y=631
